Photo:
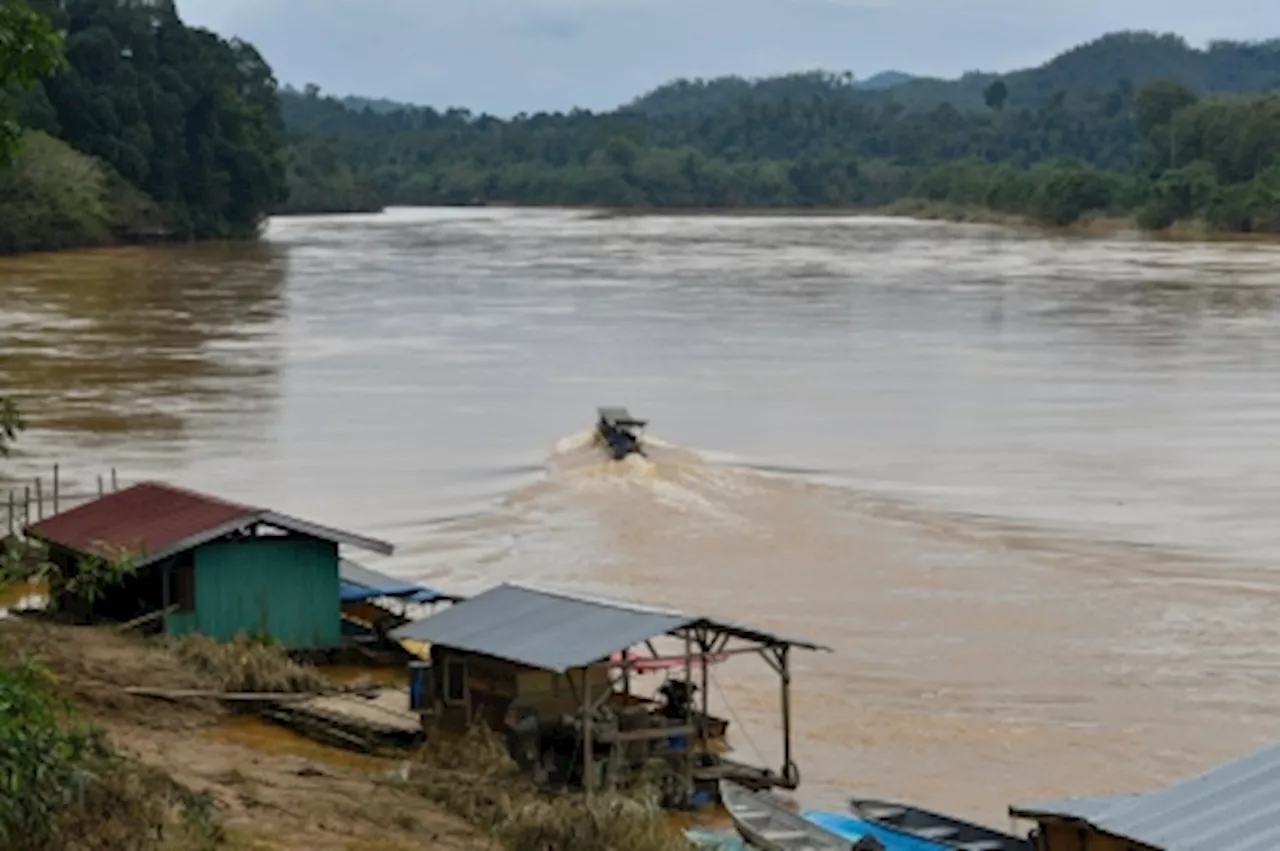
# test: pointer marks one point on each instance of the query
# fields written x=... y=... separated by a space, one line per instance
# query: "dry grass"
x=473 y=777
x=245 y=664
x=131 y=806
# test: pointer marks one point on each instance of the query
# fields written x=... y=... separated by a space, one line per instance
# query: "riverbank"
x=1099 y=226
x=54 y=198
x=263 y=787
x=216 y=779
x=106 y=224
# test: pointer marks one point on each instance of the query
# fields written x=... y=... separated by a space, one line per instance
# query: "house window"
x=455 y=682
x=182 y=592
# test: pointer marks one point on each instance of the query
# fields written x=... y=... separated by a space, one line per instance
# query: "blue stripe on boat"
x=853 y=829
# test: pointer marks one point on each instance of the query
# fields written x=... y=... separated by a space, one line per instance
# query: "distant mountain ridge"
x=1123 y=58
x=884 y=80
x=1223 y=67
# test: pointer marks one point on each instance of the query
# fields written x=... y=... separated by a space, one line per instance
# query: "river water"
x=1022 y=485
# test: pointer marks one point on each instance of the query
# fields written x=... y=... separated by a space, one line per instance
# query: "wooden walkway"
x=386 y=710
x=372 y=721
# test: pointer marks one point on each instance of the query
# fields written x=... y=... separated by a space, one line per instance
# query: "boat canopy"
x=620 y=418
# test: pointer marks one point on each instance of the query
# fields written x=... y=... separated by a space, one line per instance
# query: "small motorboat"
x=902 y=826
x=765 y=823
x=619 y=432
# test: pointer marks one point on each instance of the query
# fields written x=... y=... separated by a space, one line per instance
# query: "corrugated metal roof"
x=554 y=630
x=358 y=582
x=160 y=520
x=1235 y=807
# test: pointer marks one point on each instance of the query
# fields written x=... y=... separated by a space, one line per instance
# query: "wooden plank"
x=146 y=619
x=648 y=734
x=205 y=694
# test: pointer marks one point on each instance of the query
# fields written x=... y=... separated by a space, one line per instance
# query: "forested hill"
x=1139 y=57
x=1158 y=153
x=148 y=129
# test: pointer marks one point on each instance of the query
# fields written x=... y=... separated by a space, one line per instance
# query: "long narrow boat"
x=940 y=830
x=765 y=823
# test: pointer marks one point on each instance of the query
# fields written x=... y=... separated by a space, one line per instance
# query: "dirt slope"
x=274 y=790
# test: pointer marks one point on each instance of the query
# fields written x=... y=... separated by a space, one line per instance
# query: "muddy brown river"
x=1024 y=486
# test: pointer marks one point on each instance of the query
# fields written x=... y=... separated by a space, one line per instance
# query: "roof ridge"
x=205 y=497
x=575 y=596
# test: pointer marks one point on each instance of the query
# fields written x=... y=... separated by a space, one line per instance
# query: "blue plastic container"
x=420 y=685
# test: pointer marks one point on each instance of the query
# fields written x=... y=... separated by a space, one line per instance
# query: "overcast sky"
x=507 y=56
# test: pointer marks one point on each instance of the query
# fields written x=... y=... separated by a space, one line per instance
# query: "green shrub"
x=47 y=758
x=64 y=788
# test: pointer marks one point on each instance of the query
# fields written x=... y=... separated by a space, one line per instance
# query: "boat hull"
x=618 y=431
x=939 y=832
x=618 y=443
x=764 y=823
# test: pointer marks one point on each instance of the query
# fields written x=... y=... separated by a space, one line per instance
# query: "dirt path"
x=273 y=789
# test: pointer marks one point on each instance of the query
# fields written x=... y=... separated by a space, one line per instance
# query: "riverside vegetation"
x=124 y=124
x=1131 y=125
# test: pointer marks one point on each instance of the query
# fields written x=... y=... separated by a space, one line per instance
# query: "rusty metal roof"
x=1235 y=807
x=154 y=520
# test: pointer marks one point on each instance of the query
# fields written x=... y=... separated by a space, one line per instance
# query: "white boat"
x=765 y=823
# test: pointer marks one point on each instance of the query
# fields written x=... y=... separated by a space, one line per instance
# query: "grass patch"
x=247 y=664
x=473 y=777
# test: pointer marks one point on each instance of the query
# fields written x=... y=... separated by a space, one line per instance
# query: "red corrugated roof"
x=147 y=518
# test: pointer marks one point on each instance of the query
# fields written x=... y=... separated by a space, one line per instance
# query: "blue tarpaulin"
x=356 y=582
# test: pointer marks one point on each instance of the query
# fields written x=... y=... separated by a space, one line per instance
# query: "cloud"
x=508 y=56
x=556 y=26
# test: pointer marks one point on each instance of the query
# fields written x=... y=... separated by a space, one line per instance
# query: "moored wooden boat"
x=765 y=823
x=941 y=830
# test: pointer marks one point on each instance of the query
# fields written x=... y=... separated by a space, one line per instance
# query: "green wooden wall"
x=286 y=588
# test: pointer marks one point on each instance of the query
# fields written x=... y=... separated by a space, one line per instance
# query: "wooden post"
x=706 y=698
x=26 y=506
x=39 y=500
x=165 y=594
x=101 y=489
x=11 y=517
x=784 y=662
x=588 y=760
x=57 y=509
x=688 y=717
x=626 y=673
x=115 y=482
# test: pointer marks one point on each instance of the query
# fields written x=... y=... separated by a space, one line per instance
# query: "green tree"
x=189 y=120
x=30 y=48
x=995 y=95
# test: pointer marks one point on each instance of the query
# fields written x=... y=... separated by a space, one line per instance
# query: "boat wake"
x=665 y=478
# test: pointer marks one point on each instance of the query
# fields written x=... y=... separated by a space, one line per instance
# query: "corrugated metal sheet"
x=542 y=629
x=1235 y=807
x=361 y=583
x=160 y=520
x=149 y=517
x=552 y=630
x=284 y=588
